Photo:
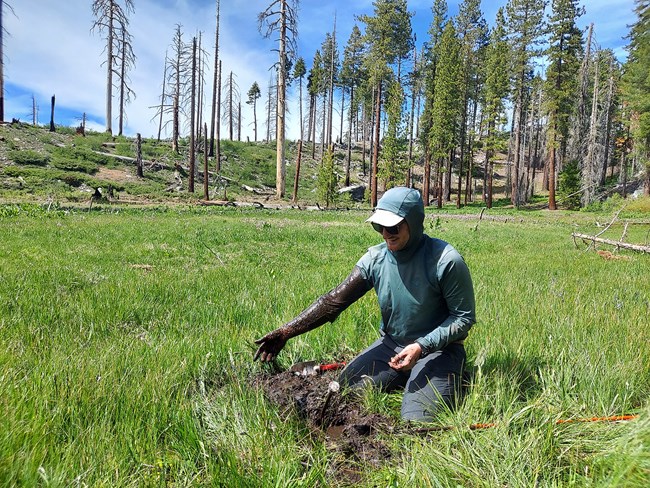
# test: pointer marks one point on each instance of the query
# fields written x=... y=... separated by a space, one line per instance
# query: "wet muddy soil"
x=337 y=416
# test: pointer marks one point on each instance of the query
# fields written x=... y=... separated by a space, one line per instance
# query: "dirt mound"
x=335 y=414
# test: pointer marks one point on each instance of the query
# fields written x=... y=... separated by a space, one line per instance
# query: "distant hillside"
x=37 y=165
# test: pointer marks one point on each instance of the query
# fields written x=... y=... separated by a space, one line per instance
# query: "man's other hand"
x=406 y=359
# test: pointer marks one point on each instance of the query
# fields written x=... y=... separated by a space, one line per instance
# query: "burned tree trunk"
x=138 y=158
x=52 y=127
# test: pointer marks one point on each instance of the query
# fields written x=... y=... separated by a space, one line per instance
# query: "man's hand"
x=405 y=360
x=270 y=346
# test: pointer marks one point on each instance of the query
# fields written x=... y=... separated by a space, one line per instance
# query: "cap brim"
x=385 y=218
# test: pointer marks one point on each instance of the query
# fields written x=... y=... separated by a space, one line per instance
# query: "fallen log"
x=258 y=191
x=618 y=244
x=122 y=158
x=217 y=203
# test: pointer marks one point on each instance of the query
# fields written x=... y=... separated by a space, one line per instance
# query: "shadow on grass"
x=521 y=371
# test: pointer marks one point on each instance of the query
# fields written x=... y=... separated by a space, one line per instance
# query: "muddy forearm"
x=328 y=306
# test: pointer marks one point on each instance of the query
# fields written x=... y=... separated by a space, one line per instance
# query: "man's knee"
x=423 y=403
x=370 y=374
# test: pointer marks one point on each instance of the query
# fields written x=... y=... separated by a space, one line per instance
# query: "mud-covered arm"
x=325 y=309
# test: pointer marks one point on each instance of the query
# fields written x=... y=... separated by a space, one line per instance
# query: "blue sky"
x=50 y=50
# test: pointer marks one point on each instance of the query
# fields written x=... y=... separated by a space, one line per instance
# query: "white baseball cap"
x=384 y=218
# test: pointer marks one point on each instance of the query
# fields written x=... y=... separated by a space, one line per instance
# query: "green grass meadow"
x=126 y=346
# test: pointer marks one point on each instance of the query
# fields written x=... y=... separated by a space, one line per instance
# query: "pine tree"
x=471 y=29
x=495 y=91
x=610 y=112
x=299 y=72
x=563 y=55
x=579 y=125
x=351 y=77
x=636 y=86
x=330 y=67
x=389 y=39
x=415 y=85
x=314 y=82
x=526 y=28
x=326 y=179
x=192 y=147
x=431 y=56
x=253 y=94
x=446 y=108
x=394 y=144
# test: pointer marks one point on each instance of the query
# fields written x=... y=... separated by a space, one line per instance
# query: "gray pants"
x=434 y=379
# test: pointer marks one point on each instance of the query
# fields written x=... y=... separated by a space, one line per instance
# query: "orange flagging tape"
x=615 y=418
x=479 y=426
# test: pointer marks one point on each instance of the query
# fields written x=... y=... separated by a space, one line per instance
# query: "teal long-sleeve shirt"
x=427 y=298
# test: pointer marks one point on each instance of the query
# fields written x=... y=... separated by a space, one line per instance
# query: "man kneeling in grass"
x=426 y=298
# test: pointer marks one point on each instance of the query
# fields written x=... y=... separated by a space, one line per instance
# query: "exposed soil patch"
x=337 y=416
x=118 y=175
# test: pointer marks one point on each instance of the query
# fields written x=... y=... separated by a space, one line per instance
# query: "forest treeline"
x=432 y=111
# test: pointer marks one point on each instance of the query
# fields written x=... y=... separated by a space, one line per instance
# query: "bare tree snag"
x=216 y=83
x=112 y=19
x=3 y=4
x=217 y=142
x=52 y=127
x=138 y=159
x=192 y=120
x=295 y=183
x=206 y=176
x=281 y=17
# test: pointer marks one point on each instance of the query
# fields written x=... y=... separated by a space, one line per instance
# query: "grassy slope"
x=126 y=344
x=38 y=165
x=62 y=168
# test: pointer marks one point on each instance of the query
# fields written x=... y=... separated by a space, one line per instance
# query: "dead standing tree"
x=281 y=17
x=198 y=63
x=112 y=20
x=201 y=56
x=599 y=135
x=231 y=104
x=161 y=107
x=271 y=105
x=192 y=120
x=3 y=4
x=2 y=64
x=180 y=83
x=216 y=84
x=177 y=88
x=176 y=85
x=126 y=59
x=217 y=153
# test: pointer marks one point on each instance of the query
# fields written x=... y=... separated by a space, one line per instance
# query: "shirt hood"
x=406 y=203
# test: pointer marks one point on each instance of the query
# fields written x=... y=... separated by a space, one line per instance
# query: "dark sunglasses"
x=391 y=230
